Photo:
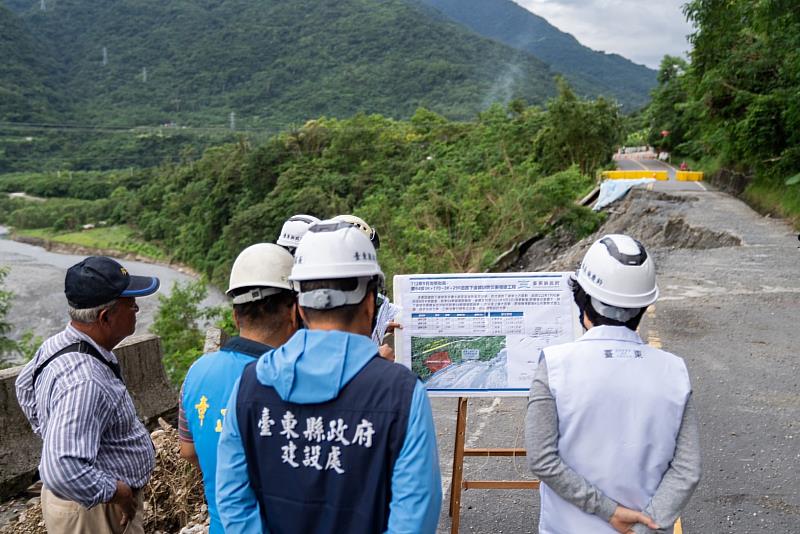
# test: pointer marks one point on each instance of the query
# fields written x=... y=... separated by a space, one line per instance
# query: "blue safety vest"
x=206 y=390
x=327 y=467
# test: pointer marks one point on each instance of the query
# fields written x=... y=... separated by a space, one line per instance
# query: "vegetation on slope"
x=589 y=71
x=736 y=105
x=447 y=196
x=27 y=92
x=25 y=148
x=273 y=63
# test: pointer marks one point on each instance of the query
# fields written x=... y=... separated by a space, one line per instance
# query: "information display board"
x=481 y=334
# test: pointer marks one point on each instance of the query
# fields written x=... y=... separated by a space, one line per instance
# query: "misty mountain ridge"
x=271 y=64
x=589 y=71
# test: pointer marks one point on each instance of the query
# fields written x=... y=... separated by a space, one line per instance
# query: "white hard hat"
x=362 y=225
x=264 y=268
x=294 y=229
x=618 y=272
x=331 y=250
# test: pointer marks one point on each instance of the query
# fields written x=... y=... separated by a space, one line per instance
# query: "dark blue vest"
x=326 y=468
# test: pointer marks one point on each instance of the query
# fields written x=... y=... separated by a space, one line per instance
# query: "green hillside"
x=26 y=67
x=272 y=63
x=448 y=196
x=589 y=71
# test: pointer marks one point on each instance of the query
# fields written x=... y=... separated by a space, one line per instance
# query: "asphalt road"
x=656 y=165
x=730 y=312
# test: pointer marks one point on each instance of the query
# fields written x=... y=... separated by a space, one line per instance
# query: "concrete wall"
x=20 y=448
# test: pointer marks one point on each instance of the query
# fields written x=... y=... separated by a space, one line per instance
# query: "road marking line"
x=482 y=412
x=653 y=339
x=678 y=527
x=446 y=484
x=470 y=442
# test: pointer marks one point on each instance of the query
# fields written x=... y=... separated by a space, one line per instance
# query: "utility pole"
x=105 y=54
x=144 y=74
x=233 y=120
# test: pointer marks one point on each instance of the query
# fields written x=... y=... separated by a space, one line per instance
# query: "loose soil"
x=655 y=219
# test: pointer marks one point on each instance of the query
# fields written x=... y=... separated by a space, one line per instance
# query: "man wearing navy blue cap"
x=96 y=454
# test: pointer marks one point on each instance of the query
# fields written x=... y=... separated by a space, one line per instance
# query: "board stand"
x=458 y=484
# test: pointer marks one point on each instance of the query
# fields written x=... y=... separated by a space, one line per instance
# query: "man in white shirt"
x=610 y=429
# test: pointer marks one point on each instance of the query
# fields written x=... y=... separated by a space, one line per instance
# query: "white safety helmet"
x=264 y=268
x=362 y=225
x=617 y=272
x=331 y=250
x=294 y=229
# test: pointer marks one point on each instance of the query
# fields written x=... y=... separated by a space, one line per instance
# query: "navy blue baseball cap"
x=98 y=280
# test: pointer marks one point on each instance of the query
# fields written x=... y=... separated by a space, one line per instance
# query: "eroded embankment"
x=658 y=220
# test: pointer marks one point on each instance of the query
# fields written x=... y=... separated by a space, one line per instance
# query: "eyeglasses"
x=132 y=305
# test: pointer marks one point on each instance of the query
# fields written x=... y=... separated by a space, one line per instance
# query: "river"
x=36 y=278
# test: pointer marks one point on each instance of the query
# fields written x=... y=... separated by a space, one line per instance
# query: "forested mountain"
x=270 y=62
x=589 y=71
x=26 y=67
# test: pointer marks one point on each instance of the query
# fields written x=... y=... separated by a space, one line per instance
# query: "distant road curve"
x=656 y=165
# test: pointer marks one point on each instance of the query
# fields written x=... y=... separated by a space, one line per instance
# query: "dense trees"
x=178 y=323
x=27 y=344
x=447 y=196
x=736 y=103
x=670 y=110
x=582 y=132
x=738 y=99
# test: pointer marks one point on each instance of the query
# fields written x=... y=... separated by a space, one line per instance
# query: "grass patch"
x=776 y=199
x=117 y=238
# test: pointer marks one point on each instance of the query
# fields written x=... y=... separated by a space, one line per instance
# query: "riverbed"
x=36 y=278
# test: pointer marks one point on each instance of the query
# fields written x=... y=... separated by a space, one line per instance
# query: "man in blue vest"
x=610 y=430
x=323 y=435
x=264 y=311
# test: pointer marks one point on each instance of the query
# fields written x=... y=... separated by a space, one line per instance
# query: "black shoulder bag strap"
x=84 y=348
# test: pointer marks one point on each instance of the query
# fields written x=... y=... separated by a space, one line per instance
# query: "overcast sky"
x=640 y=30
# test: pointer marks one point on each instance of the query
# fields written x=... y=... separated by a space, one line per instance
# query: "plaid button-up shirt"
x=87 y=421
